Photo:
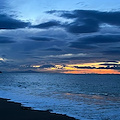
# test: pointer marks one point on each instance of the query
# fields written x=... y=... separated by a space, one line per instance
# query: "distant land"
x=29 y=71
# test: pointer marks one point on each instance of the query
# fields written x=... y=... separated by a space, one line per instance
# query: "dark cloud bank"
x=47 y=24
x=84 y=30
x=87 y=21
x=5 y=40
x=7 y=22
x=91 y=42
x=107 y=65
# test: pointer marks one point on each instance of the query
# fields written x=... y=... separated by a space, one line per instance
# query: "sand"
x=14 y=111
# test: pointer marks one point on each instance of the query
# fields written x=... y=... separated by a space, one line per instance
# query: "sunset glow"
x=84 y=68
x=95 y=71
x=60 y=37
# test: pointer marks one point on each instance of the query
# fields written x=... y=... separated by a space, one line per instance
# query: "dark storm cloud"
x=47 y=24
x=41 y=38
x=80 y=45
x=87 y=21
x=87 y=25
x=85 y=67
x=110 y=64
x=49 y=46
x=112 y=18
x=111 y=61
x=84 y=26
x=108 y=67
x=115 y=67
x=7 y=22
x=8 y=64
x=5 y=40
x=83 y=58
x=47 y=66
x=53 y=49
x=90 y=42
x=101 y=39
x=116 y=48
x=112 y=52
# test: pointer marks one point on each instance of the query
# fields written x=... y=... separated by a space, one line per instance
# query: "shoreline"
x=14 y=111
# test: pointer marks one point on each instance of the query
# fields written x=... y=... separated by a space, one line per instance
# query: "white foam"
x=79 y=110
x=81 y=106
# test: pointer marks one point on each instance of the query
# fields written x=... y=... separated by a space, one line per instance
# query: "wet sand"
x=14 y=111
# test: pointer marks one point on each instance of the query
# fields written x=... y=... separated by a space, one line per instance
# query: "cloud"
x=84 y=59
x=87 y=21
x=100 y=39
x=47 y=66
x=46 y=25
x=111 y=61
x=112 y=52
x=79 y=45
x=7 y=64
x=84 y=26
x=1 y=59
x=56 y=46
x=85 y=67
x=5 y=40
x=115 y=67
x=112 y=18
x=67 y=55
x=3 y=6
x=91 y=42
x=7 y=22
x=42 y=39
x=108 y=67
x=110 y=64
x=53 y=49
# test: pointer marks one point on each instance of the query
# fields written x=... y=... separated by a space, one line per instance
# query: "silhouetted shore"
x=14 y=111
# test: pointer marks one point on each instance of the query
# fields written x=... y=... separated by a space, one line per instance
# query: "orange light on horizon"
x=93 y=71
x=84 y=68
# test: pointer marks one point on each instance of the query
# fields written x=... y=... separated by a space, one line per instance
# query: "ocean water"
x=85 y=97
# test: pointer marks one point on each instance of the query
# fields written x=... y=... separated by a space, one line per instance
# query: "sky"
x=60 y=36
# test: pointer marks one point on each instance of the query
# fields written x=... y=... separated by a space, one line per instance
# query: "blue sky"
x=60 y=36
x=35 y=9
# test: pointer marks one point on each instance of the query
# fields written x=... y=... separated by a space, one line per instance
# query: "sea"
x=84 y=97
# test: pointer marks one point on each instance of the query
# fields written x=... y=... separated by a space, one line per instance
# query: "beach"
x=14 y=111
